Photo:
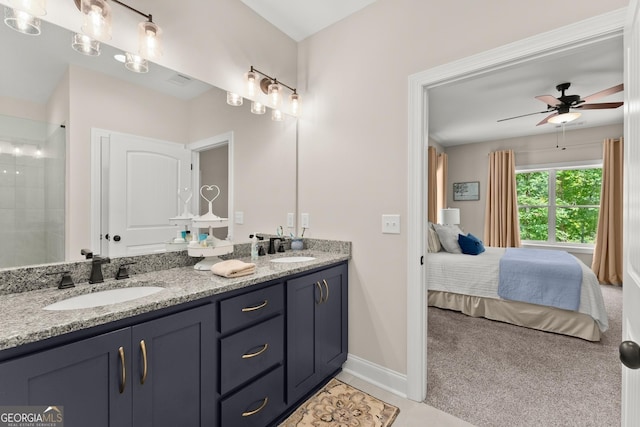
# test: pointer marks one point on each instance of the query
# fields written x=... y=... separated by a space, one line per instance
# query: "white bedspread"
x=478 y=275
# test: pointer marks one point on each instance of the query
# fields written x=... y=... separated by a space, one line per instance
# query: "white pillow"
x=448 y=235
x=433 y=242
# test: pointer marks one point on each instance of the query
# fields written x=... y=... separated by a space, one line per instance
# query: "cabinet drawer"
x=247 y=353
x=257 y=404
x=247 y=308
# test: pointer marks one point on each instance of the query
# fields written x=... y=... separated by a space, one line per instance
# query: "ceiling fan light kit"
x=560 y=107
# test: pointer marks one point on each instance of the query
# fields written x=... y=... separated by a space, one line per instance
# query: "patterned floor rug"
x=339 y=404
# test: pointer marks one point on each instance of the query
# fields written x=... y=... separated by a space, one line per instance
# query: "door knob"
x=116 y=238
x=630 y=354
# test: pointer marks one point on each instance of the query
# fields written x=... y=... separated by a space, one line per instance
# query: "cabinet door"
x=86 y=378
x=316 y=329
x=331 y=321
x=178 y=352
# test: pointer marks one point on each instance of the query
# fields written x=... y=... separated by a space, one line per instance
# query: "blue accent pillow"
x=470 y=244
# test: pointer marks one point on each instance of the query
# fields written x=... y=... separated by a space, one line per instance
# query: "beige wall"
x=353 y=136
x=470 y=162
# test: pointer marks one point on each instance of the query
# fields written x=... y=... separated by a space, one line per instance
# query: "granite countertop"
x=23 y=319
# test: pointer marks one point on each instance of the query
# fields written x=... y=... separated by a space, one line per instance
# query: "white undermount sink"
x=290 y=259
x=110 y=296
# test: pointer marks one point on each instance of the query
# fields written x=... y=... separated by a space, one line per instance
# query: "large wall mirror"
x=57 y=97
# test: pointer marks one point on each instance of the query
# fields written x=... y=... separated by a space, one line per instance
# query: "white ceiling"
x=467 y=111
x=301 y=18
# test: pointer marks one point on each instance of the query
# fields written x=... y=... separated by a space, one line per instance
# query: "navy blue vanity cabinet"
x=88 y=378
x=316 y=329
x=173 y=370
x=252 y=357
x=157 y=373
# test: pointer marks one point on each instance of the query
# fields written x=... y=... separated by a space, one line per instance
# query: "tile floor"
x=412 y=414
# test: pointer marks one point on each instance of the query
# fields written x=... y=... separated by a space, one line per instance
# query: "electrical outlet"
x=290 y=220
x=391 y=224
x=239 y=217
x=304 y=220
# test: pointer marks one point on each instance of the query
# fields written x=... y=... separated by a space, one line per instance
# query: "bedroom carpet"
x=494 y=374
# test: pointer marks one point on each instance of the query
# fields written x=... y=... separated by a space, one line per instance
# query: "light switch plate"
x=304 y=220
x=290 y=218
x=391 y=224
x=239 y=217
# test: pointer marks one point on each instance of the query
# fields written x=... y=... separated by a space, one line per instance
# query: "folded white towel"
x=233 y=268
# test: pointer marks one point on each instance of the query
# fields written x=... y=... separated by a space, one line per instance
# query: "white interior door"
x=144 y=178
x=629 y=350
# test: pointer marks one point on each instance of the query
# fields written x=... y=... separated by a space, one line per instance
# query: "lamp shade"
x=564 y=118
x=450 y=216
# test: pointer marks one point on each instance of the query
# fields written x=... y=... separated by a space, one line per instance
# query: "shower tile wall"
x=32 y=201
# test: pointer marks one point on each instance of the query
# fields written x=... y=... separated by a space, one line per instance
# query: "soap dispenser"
x=254 y=247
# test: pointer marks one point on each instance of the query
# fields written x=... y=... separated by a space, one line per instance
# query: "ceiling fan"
x=561 y=107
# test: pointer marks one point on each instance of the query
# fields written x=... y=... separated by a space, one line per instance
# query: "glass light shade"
x=294 y=102
x=97 y=19
x=85 y=45
x=135 y=63
x=21 y=21
x=252 y=84
x=150 y=40
x=564 y=118
x=258 y=108
x=234 y=99
x=277 y=116
x=450 y=216
x=32 y=7
x=275 y=95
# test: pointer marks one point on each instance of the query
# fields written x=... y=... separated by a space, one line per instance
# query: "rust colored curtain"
x=607 y=257
x=432 y=188
x=441 y=181
x=501 y=225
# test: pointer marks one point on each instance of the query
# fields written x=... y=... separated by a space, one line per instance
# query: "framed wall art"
x=466 y=191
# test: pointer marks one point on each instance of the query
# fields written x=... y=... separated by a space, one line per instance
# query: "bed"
x=469 y=284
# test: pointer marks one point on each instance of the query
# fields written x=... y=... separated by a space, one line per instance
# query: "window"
x=559 y=205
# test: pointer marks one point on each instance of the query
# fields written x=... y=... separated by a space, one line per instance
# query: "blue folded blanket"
x=538 y=276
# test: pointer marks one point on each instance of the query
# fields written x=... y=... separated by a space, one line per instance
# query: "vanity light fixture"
x=276 y=115
x=23 y=19
x=258 y=108
x=234 y=99
x=97 y=25
x=273 y=88
x=135 y=63
x=85 y=44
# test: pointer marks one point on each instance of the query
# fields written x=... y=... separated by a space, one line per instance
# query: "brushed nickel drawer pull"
x=326 y=285
x=255 y=411
x=321 y=293
x=257 y=353
x=143 y=349
x=123 y=370
x=256 y=307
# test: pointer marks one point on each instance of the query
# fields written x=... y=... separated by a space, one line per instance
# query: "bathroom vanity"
x=204 y=351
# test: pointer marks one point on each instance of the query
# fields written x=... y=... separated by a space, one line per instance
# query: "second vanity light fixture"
x=22 y=15
x=97 y=28
x=271 y=87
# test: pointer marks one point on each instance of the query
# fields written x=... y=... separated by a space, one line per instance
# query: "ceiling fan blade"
x=549 y=100
x=603 y=93
x=524 y=115
x=599 y=106
x=546 y=119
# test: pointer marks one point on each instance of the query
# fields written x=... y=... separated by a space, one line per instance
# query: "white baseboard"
x=377 y=375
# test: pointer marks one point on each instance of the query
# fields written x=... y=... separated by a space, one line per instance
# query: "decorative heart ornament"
x=212 y=189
